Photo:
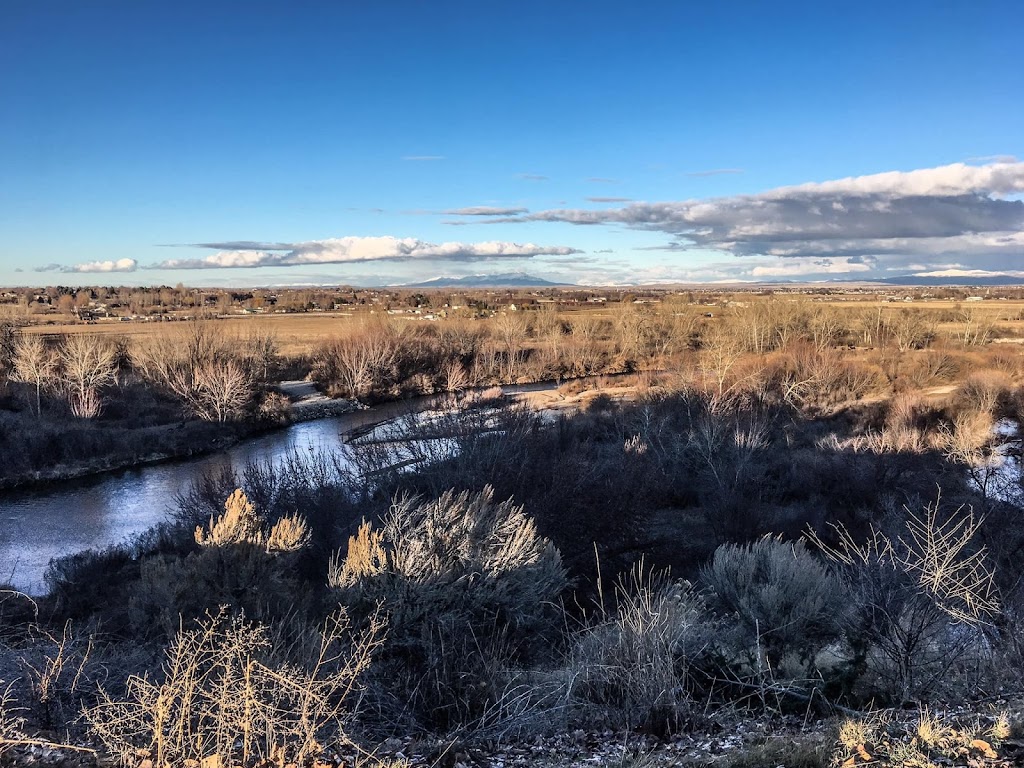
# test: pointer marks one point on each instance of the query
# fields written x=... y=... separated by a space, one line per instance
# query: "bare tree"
x=34 y=364
x=8 y=345
x=203 y=371
x=357 y=363
x=510 y=332
x=976 y=328
x=632 y=327
x=454 y=377
x=87 y=363
x=910 y=329
x=261 y=350
x=721 y=350
x=221 y=390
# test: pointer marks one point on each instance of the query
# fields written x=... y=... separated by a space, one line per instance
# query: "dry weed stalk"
x=11 y=723
x=225 y=696
x=938 y=554
x=59 y=672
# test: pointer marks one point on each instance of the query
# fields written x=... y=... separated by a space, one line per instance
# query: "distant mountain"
x=938 y=282
x=508 y=280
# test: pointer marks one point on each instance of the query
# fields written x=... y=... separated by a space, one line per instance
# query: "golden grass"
x=300 y=334
x=296 y=334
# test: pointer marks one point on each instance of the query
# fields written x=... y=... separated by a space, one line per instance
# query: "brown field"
x=299 y=334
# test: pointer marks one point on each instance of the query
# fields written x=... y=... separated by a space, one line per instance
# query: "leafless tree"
x=34 y=364
x=454 y=377
x=222 y=390
x=510 y=332
x=633 y=329
x=8 y=346
x=261 y=350
x=204 y=372
x=356 y=363
x=976 y=328
x=721 y=350
x=87 y=363
x=910 y=329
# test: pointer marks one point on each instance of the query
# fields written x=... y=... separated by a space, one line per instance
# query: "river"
x=92 y=513
x=66 y=517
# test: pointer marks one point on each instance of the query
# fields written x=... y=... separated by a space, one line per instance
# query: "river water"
x=67 y=517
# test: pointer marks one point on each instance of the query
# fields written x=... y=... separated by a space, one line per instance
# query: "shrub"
x=241 y=525
x=917 y=601
x=242 y=563
x=459 y=553
x=464 y=580
x=630 y=669
x=779 y=594
x=227 y=696
x=983 y=391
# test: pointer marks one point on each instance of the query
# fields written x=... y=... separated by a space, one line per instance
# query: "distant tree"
x=510 y=331
x=87 y=363
x=8 y=346
x=208 y=374
x=358 y=363
x=34 y=364
x=261 y=351
x=222 y=390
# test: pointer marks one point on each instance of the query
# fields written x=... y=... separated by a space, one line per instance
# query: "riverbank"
x=194 y=439
x=178 y=442
x=182 y=443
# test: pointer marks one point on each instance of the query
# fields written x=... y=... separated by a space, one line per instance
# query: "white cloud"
x=344 y=250
x=484 y=210
x=120 y=265
x=969 y=273
x=902 y=216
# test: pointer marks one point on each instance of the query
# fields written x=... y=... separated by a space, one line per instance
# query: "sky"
x=603 y=143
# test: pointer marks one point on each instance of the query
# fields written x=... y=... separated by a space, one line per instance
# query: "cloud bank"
x=345 y=250
x=943 y=216
x=120 y=265
x=484 y=210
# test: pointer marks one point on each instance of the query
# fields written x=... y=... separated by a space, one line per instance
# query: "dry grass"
x=227 y=697
x=297 y=334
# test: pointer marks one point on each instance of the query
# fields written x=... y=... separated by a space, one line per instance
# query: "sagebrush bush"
x=242 y=525
x=459 y=553
x=242 y=563
x=783 y=599
x=464 y=581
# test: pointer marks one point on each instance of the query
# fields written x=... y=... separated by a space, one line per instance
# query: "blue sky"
x=598 y=142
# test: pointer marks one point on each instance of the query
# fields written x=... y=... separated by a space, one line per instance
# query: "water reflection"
x=38 y=525
x=69 y=517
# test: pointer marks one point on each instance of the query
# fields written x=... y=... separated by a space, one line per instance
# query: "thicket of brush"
x=87 y=402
